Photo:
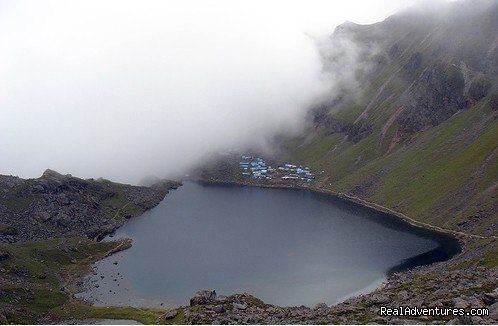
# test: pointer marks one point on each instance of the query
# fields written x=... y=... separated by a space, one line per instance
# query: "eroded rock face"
x=434 y=97
x=321 y=118
x=358 y=131
x=355 y=132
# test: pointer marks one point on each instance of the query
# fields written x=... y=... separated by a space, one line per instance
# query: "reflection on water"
x=287 y=247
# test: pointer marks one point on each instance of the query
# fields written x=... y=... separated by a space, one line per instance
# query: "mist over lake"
x=287 y=247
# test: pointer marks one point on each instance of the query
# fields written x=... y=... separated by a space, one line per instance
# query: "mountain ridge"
x=422 y=128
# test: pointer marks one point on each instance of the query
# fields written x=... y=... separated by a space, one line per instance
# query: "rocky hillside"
x=48 y=228
x=462 y=289
x=417 y=131
x=55 y=205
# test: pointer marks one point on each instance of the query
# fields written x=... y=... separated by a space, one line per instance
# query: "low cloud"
x=123 y=89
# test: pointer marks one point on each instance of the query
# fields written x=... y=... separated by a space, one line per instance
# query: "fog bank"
x=124 y=89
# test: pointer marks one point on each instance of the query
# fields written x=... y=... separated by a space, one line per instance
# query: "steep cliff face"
x=418 y=132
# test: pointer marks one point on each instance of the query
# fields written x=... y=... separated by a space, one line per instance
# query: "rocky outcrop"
x=330 y=124
x=436 y=95
x=479 y=88
x=56 y=204
x=203 y=297
x=324 y=120
x=434 y=63
x=358 y=130
x=467 y=288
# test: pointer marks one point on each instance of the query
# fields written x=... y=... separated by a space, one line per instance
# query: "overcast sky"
x=124 y=89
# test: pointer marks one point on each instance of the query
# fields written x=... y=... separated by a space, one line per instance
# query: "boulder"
x=490 y=298
x=222 y=299
x=378 y=298
x=219 y=309
x=172 y=314
x=460 y=302
x=203 y=297
x=43 y=216
x=239 y=306
x=493 y=311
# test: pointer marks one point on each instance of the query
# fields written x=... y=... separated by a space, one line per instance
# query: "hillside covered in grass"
x=418 y=133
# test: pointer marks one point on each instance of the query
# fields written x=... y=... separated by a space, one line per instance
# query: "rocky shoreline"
x=49 y=232
x=436 y=285
x=207 y=308
x=468 y=280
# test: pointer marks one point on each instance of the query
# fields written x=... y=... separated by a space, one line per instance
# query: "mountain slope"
x=419 y=133
x=56 y=205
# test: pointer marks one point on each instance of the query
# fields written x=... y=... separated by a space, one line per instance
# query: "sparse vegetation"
x=46 y=270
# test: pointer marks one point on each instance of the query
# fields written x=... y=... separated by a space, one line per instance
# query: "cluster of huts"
x=256 y=168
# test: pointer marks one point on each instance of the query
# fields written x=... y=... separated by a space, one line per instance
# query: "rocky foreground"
x=54 y=205
x=475 y=287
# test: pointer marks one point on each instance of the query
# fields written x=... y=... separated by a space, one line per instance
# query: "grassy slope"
x=45 y=269
x=443 y=176
x=446 y=175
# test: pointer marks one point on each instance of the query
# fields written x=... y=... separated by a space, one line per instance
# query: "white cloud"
x=123 y=89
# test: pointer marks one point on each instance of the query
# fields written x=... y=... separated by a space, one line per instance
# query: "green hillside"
x=420 y=134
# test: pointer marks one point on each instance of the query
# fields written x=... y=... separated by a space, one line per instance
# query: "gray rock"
x=378 y=298
x=172 y=314
x=219 y=309
x=460 y=303
x=464 y=320
x=403 y=295
x=320 y=306
x=203 y=297
x=239 y=306
x=43 y=216
x=222 y=298
x=379 y=320
x=490 y=298
x=493 y=311
x=476 y=303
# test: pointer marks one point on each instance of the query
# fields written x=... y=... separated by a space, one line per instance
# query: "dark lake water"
x=287 y=247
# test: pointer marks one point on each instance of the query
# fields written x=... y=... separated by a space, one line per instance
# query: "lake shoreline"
x=345 y=199
x=383 y=221
x=411 y=281
x=461 y=236
x=410 y=287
